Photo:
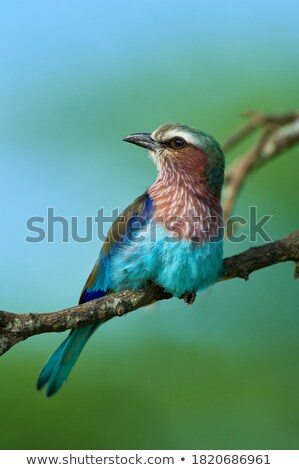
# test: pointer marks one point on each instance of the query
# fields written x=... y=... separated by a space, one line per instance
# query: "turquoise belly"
x=178 y=266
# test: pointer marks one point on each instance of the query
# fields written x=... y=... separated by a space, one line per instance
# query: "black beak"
x=143 y=140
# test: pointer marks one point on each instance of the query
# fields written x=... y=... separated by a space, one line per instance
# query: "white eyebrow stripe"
x=187 y=136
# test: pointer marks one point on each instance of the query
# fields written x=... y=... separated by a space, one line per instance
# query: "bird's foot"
x=189 y=297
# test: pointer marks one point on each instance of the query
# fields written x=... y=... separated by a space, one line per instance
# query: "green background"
x=75 y=78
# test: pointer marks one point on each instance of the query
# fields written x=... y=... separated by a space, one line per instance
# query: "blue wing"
x=123 y=227
x=96 y=285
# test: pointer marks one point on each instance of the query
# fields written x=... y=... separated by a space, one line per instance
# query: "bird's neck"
x=184 y=201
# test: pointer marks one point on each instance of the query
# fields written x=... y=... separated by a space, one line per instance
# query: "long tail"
x=61 y=362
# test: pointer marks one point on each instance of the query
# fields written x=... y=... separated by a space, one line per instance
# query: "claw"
x=189 y=297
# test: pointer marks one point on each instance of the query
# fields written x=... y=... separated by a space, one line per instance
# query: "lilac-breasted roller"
x=171 y=235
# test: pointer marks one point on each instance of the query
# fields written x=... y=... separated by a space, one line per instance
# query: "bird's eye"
x=178 y=143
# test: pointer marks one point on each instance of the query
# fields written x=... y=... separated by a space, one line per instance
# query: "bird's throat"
x=185 y=206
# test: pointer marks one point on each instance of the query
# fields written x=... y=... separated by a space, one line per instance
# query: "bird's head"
x=177 y=148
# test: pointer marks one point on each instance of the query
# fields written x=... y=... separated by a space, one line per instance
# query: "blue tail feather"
x=47 y=370
x=60 y=364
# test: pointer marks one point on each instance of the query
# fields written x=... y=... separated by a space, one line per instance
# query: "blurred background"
x=76 y=76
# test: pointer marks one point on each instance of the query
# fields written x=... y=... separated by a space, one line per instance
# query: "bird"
x=171 y=235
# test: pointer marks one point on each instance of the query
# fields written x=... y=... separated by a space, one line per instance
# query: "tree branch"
x=18 y=327
x=278 y=134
